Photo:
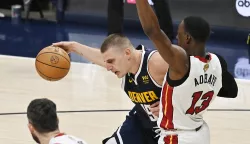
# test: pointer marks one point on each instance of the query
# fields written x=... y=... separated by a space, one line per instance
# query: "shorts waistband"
x=176 y=131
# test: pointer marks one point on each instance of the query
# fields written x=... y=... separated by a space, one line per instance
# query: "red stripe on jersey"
x=204 y=59
x=60 y=134
x=167 y=107
x=171 y=139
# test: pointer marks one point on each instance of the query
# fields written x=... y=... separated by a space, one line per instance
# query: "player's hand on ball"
x=155 y=108
x=68 y=46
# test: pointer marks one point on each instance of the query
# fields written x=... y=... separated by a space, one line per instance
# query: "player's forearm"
x=89 y=53
x=152 y=29
x=147 y=17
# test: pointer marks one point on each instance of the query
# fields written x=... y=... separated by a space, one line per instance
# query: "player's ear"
x=31 y=128
x=188 y=38
x=127 y=53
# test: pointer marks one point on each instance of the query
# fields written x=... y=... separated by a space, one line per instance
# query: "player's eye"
x=110 y=61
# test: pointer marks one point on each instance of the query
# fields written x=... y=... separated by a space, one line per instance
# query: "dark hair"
x=42 y=115
x=197 y=27
x=117 y=40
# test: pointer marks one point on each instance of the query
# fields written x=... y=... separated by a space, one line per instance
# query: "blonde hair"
x=115 y=40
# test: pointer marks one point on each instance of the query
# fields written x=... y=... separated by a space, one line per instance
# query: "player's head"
x=42 y=117
x=117 y=51
x=192 y=30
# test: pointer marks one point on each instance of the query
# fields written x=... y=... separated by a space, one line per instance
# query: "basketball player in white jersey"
x=43 y=124
x=193 y=80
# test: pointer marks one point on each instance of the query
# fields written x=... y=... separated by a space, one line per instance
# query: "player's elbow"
x=148 y=31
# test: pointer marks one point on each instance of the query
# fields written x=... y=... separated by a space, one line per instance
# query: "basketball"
x=52 y=63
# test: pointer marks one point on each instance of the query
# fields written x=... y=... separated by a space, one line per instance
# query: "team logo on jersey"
x=205 y=68
x=145 y=79
x=142 y=97
x=130 y=80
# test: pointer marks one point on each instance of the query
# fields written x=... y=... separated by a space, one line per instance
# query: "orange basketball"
x=52 y=63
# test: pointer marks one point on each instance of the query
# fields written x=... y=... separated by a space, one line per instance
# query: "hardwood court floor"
x=90 y=87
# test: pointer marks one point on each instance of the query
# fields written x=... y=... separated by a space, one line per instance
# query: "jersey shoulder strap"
x=148 y=53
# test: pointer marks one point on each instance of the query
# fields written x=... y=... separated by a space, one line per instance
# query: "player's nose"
x=108 y=67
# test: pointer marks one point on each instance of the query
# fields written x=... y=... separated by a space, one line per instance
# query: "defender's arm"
x=174 y=55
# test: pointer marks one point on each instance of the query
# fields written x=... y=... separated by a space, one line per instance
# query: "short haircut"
x=42 y=115
x=115 y=40
x=198 y=28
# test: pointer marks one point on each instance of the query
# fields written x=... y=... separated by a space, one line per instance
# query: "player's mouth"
x=116 y=72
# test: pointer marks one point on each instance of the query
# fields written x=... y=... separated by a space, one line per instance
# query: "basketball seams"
x=52 y=65
x=53 y=53
x=49 y=78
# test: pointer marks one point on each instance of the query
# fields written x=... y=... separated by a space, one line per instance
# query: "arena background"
x=85 y=21
x=217 y=12
x=228 y=25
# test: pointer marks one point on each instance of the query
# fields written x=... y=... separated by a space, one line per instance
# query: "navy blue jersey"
x=142 y=89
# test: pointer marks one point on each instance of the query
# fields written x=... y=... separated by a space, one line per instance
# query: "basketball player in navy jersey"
x=193 y=80
x=142 y=71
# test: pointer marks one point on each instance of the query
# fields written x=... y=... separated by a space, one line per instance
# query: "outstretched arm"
x=91 y=54
x=174 y=55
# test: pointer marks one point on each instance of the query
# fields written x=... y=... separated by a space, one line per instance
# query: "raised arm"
x=91 y=54
x=174 y=55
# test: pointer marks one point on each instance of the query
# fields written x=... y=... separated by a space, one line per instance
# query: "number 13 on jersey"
x=205 y=98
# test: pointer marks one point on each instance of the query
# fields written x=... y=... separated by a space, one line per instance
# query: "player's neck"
x=135 y=62
x=45 y=138
x=199 y=50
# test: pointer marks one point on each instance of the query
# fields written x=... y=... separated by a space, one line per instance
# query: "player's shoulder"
x=210 y=57
x=156 y=61
x=67 y=139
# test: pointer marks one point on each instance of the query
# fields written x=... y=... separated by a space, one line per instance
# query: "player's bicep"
x=174 y=55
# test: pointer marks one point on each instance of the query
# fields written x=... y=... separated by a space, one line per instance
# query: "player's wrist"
x=76 y=47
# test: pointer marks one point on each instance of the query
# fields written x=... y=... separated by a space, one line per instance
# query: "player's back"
x=66 y=139
x=184 y=101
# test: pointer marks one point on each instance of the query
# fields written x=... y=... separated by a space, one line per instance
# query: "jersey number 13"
x=205 y=98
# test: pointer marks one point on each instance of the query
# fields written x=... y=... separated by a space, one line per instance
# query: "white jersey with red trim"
x=66 y=139
x=182 y=105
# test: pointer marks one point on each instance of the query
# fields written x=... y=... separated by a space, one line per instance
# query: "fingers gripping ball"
x=52 y=63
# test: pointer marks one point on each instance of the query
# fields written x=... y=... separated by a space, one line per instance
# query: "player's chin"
x=120 y=75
